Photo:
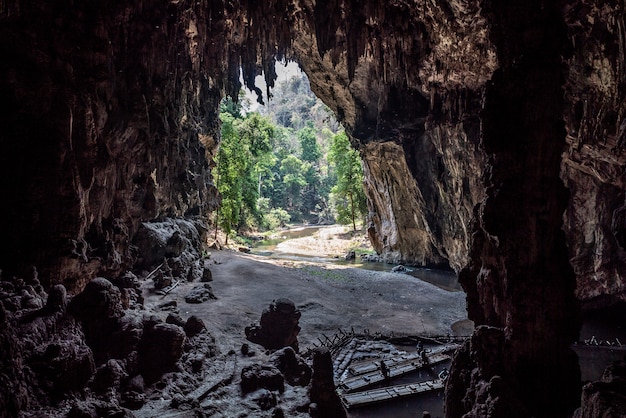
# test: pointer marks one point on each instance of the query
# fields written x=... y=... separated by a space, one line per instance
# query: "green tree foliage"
x=276 y=169
x=347 y=194
x=310 y=150
x=243 y=159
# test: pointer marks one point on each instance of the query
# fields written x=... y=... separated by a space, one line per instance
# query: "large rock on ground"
x=278 y=326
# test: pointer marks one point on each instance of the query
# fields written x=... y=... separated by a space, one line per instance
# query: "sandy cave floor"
x=329 y=296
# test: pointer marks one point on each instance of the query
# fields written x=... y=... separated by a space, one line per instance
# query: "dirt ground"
x=329 y=296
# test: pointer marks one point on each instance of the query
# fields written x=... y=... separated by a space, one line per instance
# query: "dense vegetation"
x=289 y=164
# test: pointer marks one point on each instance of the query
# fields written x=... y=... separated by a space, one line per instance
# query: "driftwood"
x=168 y=289
x=153 y=271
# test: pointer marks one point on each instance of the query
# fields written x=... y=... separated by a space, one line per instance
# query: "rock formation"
x=470 y=116
x=278 y=327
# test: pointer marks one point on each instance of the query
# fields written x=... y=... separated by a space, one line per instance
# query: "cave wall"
x=467 y=115
x=594 y=163
x=107 y=114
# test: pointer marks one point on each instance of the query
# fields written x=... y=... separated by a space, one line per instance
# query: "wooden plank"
x=371 y=365
x=357 y=382
x=357 y=399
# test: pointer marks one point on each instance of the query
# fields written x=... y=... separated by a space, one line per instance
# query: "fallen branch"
x=153 y=271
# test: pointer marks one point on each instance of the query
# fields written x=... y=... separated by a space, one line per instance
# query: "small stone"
x=207 y=276
x=245 y=349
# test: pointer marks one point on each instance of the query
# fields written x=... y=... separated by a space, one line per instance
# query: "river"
x=276 y=248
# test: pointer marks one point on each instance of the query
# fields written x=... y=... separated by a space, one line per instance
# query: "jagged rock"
x=207 y=276
x=200 y=293
x=257 y=376
x=467 y=115
x=265 y=399
x=278 y=326
x=175 y=319
x=99 y=300
x=322 y=391
x=57 y=299
x=605 y=398
x=14 y=394
x=133 y=396
x=193 y=326
x=161 y=347
x=111 y=374
x=98 y=409
x=294 y=369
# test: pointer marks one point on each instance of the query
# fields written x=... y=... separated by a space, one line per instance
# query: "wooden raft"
x=368 y=397
x=367 y=379
x=373 y=365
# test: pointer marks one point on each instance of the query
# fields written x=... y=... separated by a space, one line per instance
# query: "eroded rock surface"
x=109 y=111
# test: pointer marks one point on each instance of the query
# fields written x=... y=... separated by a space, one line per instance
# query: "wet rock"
x=322 y=391
x=350 y=255
x=200 y=293
x=371 y=258
x=257 y=376
x=400 y=269
x=278 y=326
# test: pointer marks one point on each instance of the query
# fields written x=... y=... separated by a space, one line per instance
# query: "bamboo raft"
x=357 y=399
x=351 y=384
x=371 y=366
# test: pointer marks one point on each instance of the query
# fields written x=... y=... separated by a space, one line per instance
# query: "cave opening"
x=479 y=124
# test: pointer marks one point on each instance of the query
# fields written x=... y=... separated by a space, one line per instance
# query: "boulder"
x=257 y=376
x=278 y=326
x=200 y=293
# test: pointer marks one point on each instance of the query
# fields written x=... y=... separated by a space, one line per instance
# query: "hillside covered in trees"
x=287 y=163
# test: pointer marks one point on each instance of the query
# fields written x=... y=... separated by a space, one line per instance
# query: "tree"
x=243 y=158
x=348 y=192
x=292 y=170
x=310 y=150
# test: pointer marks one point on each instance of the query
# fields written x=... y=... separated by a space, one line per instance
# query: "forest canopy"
x=288 y=163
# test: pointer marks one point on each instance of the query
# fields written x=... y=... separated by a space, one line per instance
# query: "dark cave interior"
x=492 y=136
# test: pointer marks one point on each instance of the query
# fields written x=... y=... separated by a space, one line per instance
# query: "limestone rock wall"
x=410 y=105
x=107 y=114
x=594 y=163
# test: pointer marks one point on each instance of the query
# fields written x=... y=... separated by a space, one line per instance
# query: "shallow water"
x=446 y=280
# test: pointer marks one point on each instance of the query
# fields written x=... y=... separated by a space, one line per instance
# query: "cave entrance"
x=405 y=304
